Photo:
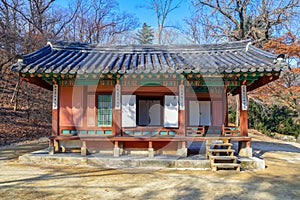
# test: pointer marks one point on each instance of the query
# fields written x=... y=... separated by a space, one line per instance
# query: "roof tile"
x=83 y=58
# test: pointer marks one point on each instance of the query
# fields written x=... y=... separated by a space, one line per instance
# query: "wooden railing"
x=198 y=131
x=231 y=130
x=149 y=131
x=191 y=131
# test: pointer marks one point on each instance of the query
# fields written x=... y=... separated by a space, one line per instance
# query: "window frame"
x=110 y=109
x=150 y=98
x=189 y=109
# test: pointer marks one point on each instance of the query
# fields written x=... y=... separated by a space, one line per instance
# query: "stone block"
x=116 y=152
x=122 y=163
x=83 y=151
x=182 y=152
x=246 y=152
x=252 y=163
x=194 y=164
x=51 y=150
x=150 y=152
x=155 y=163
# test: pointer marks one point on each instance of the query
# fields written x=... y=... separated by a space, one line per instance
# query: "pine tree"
x=145 y=35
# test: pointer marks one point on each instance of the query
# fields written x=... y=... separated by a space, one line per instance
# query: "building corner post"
x=55 y=110
x=244 y=147
x=243 y=111
x=182 y=121
x=117 y=110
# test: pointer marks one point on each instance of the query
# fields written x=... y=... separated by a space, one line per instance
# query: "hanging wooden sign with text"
x=181 y=97
x=55 y=97
x=244 y=97
x=118 y=97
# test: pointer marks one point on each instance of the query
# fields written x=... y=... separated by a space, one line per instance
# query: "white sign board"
x=118 y=97
x=181 y=97
x=244 y=97
x=55 y=97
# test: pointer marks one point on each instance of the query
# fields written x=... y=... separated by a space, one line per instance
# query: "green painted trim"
x=136 y=132
x=99 y=132
x=128 y=132
x=108 y=132
x=153 y=83
x=65 y=131
x=158 y=79
x=172 y=133
x=146 y=132
x=86 y=82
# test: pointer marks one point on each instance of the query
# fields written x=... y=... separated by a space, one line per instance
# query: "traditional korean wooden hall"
x=152 y=99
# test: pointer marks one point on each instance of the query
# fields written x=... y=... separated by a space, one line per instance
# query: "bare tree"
x=34 y=22
x=9 y=32
x=242 y=19
x=162 y=9
x=26 y=25
x=100 y=22
x=170 y=36
x=198 y=29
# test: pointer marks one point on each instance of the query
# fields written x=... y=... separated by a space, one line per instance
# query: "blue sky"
x=135 y=7
x=148 y=16
x=145 y=15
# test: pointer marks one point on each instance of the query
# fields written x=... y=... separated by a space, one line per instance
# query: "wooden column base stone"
x=116 y=152
x=244 y=149
x=51 y=150
x=182 y=150
x=83 y=149
x=150 y=152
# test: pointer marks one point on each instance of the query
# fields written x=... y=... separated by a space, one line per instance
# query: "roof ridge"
x=232 y=45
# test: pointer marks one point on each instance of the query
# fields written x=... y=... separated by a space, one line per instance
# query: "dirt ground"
x=280 y=179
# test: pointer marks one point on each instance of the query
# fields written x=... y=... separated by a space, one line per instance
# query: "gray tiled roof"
x=81 y=58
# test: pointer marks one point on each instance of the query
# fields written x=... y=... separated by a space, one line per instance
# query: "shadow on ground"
x=261 y=147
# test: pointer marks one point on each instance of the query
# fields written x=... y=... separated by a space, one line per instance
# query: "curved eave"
x=253 y=80
x=61 y=59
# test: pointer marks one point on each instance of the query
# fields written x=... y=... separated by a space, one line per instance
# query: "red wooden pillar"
x=55 y=111
x=243 y=111
x=117 y=122
x=225 y=100
x=117 y=110
x=55 y=120
x=182 y=121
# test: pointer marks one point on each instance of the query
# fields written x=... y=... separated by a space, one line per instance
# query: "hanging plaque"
x=181 y=97
x=118 y=97
x=244 y=97
x=55 y=97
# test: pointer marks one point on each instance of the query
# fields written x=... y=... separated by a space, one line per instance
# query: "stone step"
x=227 y=145
x=210 y=140
x=218 y=151
x=217 y=166
x=219 y=144
x=224 y=158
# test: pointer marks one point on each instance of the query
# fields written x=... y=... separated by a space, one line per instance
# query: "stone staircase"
x=220 y=154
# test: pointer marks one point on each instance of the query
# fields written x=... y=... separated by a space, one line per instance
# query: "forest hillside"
x=25 y=111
